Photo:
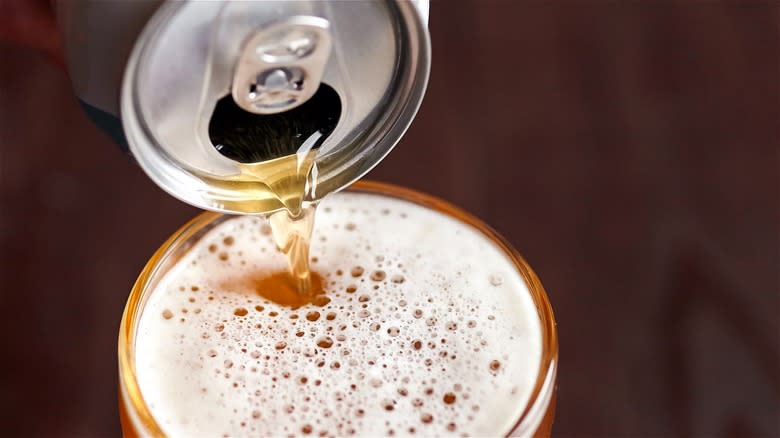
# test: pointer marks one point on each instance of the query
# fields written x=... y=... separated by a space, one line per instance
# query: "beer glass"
x=532 y=417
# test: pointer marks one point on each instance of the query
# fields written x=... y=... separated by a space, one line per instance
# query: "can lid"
x=185 y=61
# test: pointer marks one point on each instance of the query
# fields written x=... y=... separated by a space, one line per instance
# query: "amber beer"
x=428 y=323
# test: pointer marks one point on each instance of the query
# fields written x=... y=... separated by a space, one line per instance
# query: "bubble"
x=212 y=248
x=281 y=345
x=417 y=344
x=330 y=316
x=388 y=404
x=259 y=308
x=431 y=321
x=223 y=256
x=364 y=298
x=393 y=331
x=426 y=418
x=378 y=275
x=321 y=301
x=351 y=289
x=167 y=314
x=219 y=327
x=212 y=353
x=325 y=342
x=449 y=398
x=255 y=414
x=397 y=279
x=229 y=240
x=495 y=365
x=418 y=313
x=451 y=427
x=451 y=325
x=240 y=311
x=313 y=315
x=228 y=363
x=496 y=280
x=350 y=226
x=357 y=271
x=306 y=429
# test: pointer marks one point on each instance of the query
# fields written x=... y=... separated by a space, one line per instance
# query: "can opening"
x=253 y=138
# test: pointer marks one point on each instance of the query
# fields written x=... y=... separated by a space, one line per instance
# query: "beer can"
x=162 y=67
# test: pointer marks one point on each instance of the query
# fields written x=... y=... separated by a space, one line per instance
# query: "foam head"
x=428 y=328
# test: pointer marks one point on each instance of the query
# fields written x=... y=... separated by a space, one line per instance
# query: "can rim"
x=336 y=169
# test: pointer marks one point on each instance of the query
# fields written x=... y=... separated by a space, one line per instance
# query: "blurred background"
x=628 y=149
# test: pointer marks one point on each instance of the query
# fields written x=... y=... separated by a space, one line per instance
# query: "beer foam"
x=429 y=330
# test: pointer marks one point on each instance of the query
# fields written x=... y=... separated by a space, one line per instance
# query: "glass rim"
x=536 y=405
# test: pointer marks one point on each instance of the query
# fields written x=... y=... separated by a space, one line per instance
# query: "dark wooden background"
x=629 y=149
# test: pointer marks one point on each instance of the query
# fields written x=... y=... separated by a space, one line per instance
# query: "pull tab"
x=281 y=65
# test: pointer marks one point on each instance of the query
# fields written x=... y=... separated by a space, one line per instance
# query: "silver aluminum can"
x=175 y=59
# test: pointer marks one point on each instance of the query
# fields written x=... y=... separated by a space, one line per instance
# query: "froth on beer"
x=425 y=328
